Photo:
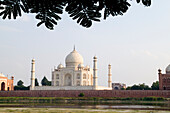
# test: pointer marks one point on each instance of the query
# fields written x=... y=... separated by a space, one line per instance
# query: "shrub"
x=153 y=99
x=81 y=95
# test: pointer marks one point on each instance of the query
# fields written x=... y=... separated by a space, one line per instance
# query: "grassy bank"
x=78 y=99
x=85 y=98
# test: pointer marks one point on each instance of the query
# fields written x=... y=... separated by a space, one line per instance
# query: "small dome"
x=168 y=69
x=87 y=67
x=60 y=66
x=80 y=66
x=73 y=59
x=2 y=75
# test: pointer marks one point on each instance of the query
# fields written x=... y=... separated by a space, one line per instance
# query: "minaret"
x=95 y=71
x=109 y=76
x=32 y=75
x=160 y=79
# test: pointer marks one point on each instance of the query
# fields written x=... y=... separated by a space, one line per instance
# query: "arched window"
x=57 y=76
x=2 y=86
x=68 y=80
x=78 y=83
x=84 y=83
x=116 y=88
x=78 y=76
x=84 y=76
x=57 y=83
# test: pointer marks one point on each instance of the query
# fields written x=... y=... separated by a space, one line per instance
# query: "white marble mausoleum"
x=74 y=76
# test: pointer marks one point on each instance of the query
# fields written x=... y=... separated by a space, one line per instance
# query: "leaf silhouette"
x=48 y=12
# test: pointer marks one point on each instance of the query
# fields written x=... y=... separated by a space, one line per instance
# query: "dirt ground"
x=69 y=110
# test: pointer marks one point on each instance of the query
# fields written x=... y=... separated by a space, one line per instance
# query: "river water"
x=90 y=105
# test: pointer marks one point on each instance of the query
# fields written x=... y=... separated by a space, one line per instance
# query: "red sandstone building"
x=164 y=79
x=6 y=84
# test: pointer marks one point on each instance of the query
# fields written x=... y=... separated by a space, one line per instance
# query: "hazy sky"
x=135 y=44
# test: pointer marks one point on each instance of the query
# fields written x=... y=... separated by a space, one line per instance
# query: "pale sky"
x=136 y=44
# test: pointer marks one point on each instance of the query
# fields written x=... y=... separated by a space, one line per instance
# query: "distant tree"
x=20 y=86
x=36 y=82
x=128 y=88
x=138 y=87
x=135 y=87
x=144 y=87
x=155 y=85
x=49 y=83
x=20 y=83
x=122 y=88
x=48 y=12
x=45 y=82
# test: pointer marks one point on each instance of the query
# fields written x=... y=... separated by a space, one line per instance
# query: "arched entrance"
x=164 y=88
x=2 y=86
x=116 y=88
x=67 y=80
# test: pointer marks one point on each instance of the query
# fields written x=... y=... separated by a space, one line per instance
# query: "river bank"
x=55 y=99
x=70 y=110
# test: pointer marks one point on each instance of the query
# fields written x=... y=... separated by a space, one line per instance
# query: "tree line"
x=154 y=86
x=46 y=82
x=20 y=84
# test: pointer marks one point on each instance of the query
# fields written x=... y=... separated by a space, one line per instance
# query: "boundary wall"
x=87 y=93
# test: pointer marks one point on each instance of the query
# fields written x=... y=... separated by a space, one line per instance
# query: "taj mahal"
x=74 y=76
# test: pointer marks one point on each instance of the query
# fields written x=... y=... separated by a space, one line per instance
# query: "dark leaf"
x=1 y=7
x=40 y=23
x=5 y=14
x=137 y=1
x=1 y=13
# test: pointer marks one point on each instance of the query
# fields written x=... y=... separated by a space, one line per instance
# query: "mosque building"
x=74 y=76
x=6 y=84
x=164 y=79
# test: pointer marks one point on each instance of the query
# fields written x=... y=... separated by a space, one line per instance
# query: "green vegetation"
x=20 y=83
x=20 y=86
x=45 y=82
x=36 y=82
x=139 y=87
x=57 y=99
x=81 y=95
x=25 y=102
x=155 y=86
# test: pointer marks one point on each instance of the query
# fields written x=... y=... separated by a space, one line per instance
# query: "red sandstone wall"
x=88 y=93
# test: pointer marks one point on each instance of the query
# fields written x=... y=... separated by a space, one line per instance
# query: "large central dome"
x=167 y=69
x=73 y=59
